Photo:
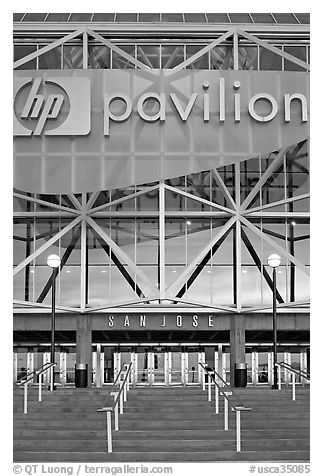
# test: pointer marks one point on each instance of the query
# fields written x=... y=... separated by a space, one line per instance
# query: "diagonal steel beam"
x=175 y=287
x=120 y=267
x=91 y=201
x=217 y=177
x=273 y=49
x=64 y=259
x=122 y=199
x=49 y=47
x=258 y=263
x=118 y=50
x=198 y=269
x=276 y=204
x=44 y=247
x=74 y=201
x=122 y=256
x=271 y=169
x=199 y=199
x=46 y=204
x=204 y=50
x=277 y=247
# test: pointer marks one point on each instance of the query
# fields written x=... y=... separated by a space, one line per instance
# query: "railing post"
x=25 y=397
x=216 y=399
x=209 y=387
x=39 y=387
x=238 y=430
x=293 y=386
x=51 y=378
x=121 y=404
x=279 y=378
x=125 y=392
x=109 y=432
x=226 y=414
x=116 y=414
x=203 y=379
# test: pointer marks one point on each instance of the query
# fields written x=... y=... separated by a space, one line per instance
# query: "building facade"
x=163 y=157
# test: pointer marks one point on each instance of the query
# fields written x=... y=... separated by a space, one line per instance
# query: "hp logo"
x=47 y=106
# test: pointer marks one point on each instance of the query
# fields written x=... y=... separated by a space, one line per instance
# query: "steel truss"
x=83 y=213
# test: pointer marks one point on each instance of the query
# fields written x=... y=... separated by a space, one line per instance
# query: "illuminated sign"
x=87 y=130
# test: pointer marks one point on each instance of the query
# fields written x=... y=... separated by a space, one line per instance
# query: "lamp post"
x=274 y=261
x=53 y=261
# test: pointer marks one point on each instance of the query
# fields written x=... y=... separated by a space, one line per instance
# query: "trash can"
x=80 y=375
x=240 y=375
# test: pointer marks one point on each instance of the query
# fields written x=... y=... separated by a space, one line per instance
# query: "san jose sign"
x=130 y=127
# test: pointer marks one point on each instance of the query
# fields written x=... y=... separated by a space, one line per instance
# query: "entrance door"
x=191 y=366
x=176 y=366
x=158 y=364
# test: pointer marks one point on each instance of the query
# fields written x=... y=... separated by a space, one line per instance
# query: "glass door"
x=142 y=366
x=191 y=366
x=158 y=364
x=176 y=366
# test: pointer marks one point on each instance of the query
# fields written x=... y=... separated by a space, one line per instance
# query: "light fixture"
x=245 y=271
x=103 y=270
x=274 y=260
x=293 y=223
x=174 y=270
x=68 y=271
x=53 y=261
x=188 y=222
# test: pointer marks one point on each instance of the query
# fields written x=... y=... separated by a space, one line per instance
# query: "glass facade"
x=208 y=239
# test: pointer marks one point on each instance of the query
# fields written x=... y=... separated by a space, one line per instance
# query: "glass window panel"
x=20 y=51
x=284 y=18
x=270 y=61
x=250 y=286
x=126 y=17
x=221 y=57
x=99 y=57
x=170 y=17
x=249 y=176
x=17 y=16
x=302 y=291
x=80 y=17
x=149 y=17
x=57 y=17
x=262 y=18
x=240 y=18
x=303 y=17
x=202 y=62
x=149 y=55
x=298 y=52
x=217 y=18
x=35 y=17
x=51 y=59
x=194 y=17
x=104 y=17
x=248 y=57
x=119 y=62
x=72 y=57
x=171 y=55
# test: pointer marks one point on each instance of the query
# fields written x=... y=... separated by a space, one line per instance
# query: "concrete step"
x=155 y=456
x=161 y=445
x=214 y=433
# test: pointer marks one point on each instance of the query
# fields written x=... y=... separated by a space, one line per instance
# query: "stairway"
x=161 y=424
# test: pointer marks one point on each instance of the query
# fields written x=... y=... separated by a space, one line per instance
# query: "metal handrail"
x=119 y=373
x=34 y=373
x=30 y=376
x=289 y=368
x=226 y=391
x=119 y=397
x=300 y=373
